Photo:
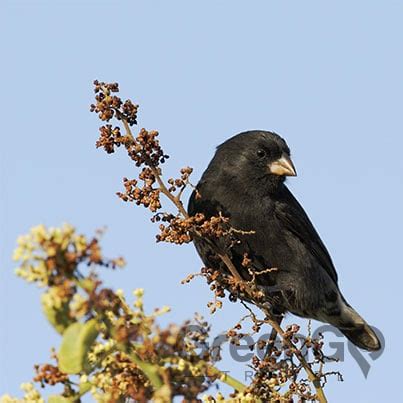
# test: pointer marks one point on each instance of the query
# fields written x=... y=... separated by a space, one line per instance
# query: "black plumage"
x=245 y=182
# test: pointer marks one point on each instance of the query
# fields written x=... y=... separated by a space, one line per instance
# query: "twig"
x=272 y=338
x=224 y=377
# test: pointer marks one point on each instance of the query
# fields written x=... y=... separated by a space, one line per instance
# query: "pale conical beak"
x=283 y=166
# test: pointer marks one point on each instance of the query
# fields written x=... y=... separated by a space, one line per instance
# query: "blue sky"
x=328 y=76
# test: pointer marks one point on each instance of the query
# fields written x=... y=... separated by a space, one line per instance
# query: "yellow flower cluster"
x=100 y=352
x=240 y=397
x=31 y=395
x=38 y=251
x=52 y=299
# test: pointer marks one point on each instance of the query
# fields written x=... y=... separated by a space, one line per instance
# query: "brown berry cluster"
x=220 y=281
x=182 y=230
x=214 y=227
x=142 y=149
x=109 y=138
x=178 y=230
x=146 y=195
x=182 y=181
x=48 y=374
x=107 y=105
x=146 y=149
x=235 y=336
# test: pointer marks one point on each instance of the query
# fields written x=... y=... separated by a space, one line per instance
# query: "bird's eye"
x=261 y=153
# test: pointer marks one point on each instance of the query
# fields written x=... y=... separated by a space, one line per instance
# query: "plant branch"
x=224 y=377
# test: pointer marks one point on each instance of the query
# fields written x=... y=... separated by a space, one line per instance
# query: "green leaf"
x=84 y=388
x=77 y=341
x=57 y=317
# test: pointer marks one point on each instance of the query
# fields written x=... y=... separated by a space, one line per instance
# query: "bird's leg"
x=273 y=337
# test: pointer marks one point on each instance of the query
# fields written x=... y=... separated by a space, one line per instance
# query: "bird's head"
x=256 y=158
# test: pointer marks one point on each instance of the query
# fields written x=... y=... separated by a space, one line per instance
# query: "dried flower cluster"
x=48 y=374
x=107 y=105
x=181 y=230
x=143 y=149
x=181 y=182
x=146 y=195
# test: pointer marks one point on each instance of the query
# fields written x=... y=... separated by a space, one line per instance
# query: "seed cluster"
x=142 y=149
x=146 y=195
x=181 y=182
x=108 y=106
x=49 y=374
x=181 y=230
x=146 y=149
x=109 y=138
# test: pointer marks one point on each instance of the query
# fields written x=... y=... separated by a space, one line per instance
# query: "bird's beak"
x=283 y=166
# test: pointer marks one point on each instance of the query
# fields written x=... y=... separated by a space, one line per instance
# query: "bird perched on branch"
x=245 y=182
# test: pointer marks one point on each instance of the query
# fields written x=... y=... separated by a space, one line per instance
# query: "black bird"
x=245 y=182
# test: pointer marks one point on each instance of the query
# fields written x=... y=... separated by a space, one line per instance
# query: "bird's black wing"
x=293 y=217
